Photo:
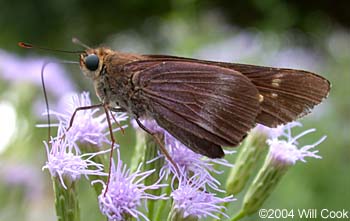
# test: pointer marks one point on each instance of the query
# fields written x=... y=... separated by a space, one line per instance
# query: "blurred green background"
x=311 y=35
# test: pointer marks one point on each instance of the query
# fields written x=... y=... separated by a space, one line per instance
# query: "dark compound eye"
x=91 y=62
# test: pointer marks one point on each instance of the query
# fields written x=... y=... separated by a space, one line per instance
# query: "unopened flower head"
x=63 y=162
x=286 y=151
x=125 y=192
x=87 y=127
x=191 y=163
x=191 y=200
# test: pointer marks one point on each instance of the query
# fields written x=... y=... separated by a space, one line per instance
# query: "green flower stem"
x=139 y=152
x=264 y=183
x=163 y=203
x=151 y=152
x=250 y=152
x=239 y=216
x=66 y=201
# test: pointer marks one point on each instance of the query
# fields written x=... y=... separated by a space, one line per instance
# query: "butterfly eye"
x=91 y=62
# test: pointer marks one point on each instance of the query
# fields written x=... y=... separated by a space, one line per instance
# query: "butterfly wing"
x=288 y=94
x=203 y=106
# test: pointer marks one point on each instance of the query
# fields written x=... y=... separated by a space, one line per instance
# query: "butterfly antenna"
x=31 y=46
x=45 y=92
x=78 y=42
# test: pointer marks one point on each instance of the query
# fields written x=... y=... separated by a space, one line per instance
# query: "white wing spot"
x=274 y=95
x=261 y=98
x=276 y=82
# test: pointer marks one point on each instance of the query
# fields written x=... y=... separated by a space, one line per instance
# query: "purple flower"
x=281 y=130
x=187 y=161
x=286 y=151
x=191 y=200
x=190 y=163
x=13 y=68
x=125 y=192
x=88 y=126
x=64 y=162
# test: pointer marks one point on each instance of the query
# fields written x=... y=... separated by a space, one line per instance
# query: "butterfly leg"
x=80 y=109
x=75 y=113
x=161 y=146
x=107 y=111
x=117 y=110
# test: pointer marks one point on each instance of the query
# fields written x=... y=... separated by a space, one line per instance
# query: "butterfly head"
x=92 y=61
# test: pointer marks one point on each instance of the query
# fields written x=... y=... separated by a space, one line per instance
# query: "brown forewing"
x=287 y=93
x=203 y=106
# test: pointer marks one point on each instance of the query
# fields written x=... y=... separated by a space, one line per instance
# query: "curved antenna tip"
x=24 y=45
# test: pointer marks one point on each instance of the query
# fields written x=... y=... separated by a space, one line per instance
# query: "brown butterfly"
x=203 y=104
